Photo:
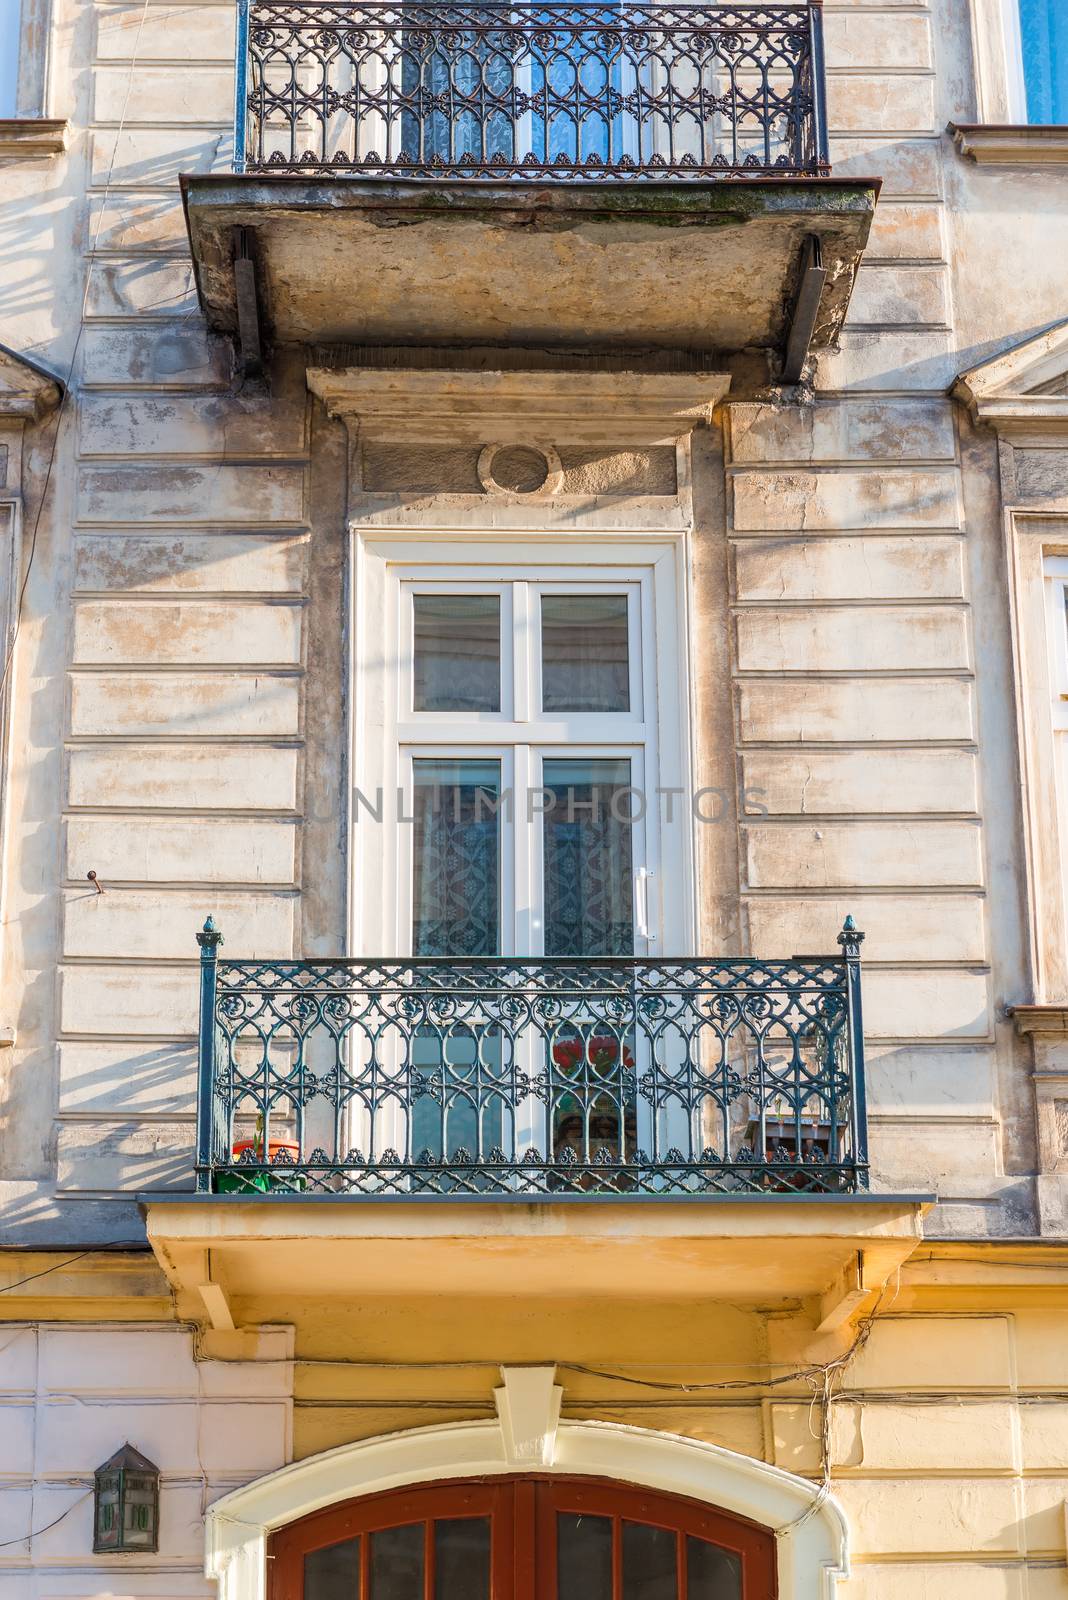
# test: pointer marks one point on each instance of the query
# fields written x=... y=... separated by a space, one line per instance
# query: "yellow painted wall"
x=949 y=1426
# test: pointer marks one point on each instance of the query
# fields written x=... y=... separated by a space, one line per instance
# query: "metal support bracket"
x=248 y=313
x=806 y=309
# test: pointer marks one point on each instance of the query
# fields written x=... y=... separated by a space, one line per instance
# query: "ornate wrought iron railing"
x=532 y=1078
x=545 y=90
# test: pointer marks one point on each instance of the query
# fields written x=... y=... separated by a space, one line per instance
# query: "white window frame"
x=24 y=85
x=379 y=921
x=1001 y=86
x=1015 y=81
x=1055 y=580
x=998 y=55
x=1038 y=563
x=1055 y=571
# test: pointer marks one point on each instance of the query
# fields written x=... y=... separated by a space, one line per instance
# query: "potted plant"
x=270 y=1152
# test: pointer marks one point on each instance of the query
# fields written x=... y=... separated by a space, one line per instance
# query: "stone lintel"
x=481 y=406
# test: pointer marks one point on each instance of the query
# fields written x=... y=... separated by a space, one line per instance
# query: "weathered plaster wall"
x=859 y=596
x=176 y=696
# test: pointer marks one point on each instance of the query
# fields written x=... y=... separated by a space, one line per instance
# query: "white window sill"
x=32 y=138
x=1012 y=144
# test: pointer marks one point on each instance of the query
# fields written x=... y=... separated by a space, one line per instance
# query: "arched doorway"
x=522 y=1538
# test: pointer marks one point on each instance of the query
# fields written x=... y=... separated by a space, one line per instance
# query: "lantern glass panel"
x=107 y=1513
x=139 y=1506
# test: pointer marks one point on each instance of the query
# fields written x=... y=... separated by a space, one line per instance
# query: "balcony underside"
x=268 y=1257
x=713 y=267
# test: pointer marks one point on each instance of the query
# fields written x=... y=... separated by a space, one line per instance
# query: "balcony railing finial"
x=208 y=1120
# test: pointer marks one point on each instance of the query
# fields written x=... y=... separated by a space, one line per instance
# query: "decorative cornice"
x=27 y=391
x=1017 y=391
x=479 y=405
x=1011 y=144
x=32 y=138
x=1039 y=1018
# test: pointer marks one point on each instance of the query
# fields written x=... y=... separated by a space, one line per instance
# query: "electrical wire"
x=96 y=1249
x=35 y=1533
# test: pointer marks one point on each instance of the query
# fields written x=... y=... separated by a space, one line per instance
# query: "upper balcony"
x=580 y=176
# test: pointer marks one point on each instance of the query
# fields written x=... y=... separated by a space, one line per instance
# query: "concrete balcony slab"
x=716 y=266
x=268 y=1259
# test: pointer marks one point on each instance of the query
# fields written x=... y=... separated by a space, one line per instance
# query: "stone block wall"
x=166 y=644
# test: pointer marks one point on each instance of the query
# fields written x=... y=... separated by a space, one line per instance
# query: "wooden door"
x=522 y=1539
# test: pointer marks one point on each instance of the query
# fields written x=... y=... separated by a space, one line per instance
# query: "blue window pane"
x=1044 y=38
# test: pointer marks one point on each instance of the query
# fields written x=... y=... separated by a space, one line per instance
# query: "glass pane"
x=585 y=656
x=588 y=858
x=456 y=858
x=397 y=1563
x=462 y=1559
x=1044 y=38
x=583 y=1557
x=712 y=1573
x=650 y=1562
x=457 y=652
x=333 y=1573
x=10 y=29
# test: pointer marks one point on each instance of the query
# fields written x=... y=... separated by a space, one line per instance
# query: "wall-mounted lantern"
x=126 y=1503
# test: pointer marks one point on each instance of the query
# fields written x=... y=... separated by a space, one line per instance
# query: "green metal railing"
x=532 y=1078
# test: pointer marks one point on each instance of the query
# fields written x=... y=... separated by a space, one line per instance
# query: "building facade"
x=533 y=800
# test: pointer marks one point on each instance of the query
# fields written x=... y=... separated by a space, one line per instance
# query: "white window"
x=1056 y=570
x=521 y=770
x=1036 y=53
x=10 y=25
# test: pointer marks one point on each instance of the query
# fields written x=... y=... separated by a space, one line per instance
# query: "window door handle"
x=644 y=905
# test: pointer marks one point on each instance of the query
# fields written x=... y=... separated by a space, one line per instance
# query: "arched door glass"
x=523 y=1539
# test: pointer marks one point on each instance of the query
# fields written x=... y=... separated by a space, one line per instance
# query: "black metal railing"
x=532 y=1078
x=547 y=90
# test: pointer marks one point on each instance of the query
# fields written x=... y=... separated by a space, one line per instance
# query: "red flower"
x=600 y=1052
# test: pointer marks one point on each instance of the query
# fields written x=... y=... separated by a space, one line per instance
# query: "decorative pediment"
x=1025 y=388
x=26 y=390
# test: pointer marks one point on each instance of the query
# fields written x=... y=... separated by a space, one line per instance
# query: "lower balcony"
x=467 y=1130
x=534 y=1079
